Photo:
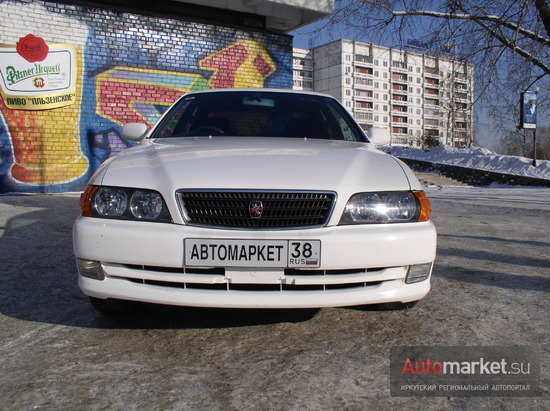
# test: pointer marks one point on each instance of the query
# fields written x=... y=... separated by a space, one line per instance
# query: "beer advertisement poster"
x=37 y=76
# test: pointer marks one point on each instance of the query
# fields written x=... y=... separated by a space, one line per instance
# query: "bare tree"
x=507 y=40
x=520 y=143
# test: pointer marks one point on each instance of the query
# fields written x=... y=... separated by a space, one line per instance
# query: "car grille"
x=234 y=209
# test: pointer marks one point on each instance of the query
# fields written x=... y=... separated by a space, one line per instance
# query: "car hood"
x=255 y=163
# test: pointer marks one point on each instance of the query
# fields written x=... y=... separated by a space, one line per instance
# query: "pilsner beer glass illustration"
x=46 y=143
x=41 y=97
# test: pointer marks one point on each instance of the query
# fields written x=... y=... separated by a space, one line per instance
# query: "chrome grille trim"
x=281 y=209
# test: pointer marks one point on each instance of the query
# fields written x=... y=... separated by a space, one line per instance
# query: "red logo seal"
x=39 y=82
x=32 y=48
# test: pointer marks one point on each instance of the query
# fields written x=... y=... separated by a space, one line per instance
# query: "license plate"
x=201 y=252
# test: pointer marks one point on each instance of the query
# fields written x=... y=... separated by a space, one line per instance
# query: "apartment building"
x=421 y=98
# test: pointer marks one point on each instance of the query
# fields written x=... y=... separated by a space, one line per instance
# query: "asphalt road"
x=490 y=288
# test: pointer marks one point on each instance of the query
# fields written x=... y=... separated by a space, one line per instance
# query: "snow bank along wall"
x=71 y=75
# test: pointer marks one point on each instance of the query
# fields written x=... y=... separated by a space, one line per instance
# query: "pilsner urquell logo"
x=32 y=48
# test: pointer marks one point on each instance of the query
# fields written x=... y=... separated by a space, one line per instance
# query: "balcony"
x=430 y=112
x=363 y=115
x=430 y=122
x=399 y=77
x=363 y=82
x=400 y=87
x=431 y=70
x=359 y=58
x=363 y=94
x=431 y=133
x=400 y=109
x=399 y=120
x=460 y=125
x=400 y=132
x=399 y=97
x=461 y=86
x=398 y=66
x=363 y=71
x=432 y=92
x=363 y=105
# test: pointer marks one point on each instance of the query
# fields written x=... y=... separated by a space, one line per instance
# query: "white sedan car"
x=254 y=199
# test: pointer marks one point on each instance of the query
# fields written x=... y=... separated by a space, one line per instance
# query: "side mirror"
x=134 y=131
x=379 y=136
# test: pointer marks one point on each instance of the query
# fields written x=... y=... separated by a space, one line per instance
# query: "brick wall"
x=124 y=67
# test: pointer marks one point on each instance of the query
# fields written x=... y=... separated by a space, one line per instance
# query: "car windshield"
x=259 y=114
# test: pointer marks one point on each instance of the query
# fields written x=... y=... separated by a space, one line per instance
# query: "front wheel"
x=112 y=306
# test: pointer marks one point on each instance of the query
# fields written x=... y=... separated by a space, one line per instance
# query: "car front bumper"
x=361 y=264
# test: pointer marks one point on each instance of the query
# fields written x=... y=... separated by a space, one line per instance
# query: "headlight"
x=124 y=203
x=146 y=205
x=110 y=202
x=390 y=207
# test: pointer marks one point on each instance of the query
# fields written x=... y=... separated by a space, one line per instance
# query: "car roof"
x=263 y=90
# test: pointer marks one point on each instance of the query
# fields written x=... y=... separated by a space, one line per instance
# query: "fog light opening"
x=90 y=269
x=418 y=272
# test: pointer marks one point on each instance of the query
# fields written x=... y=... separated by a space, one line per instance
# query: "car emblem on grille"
x=255 y=209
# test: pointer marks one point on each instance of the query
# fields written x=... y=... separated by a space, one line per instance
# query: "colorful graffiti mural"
x=130 y=76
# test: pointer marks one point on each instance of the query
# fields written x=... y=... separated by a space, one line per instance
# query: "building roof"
x=280 y=15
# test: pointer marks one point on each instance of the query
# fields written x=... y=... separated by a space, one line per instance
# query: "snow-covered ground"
x=475 y=157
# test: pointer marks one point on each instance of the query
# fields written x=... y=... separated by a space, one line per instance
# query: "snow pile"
x=475 y=157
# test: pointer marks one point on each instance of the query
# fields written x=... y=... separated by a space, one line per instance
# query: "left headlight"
x=389 y=207
x=124 y=203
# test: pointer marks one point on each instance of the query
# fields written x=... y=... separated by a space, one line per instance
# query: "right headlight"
x=387 y=207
